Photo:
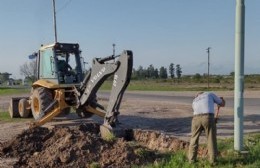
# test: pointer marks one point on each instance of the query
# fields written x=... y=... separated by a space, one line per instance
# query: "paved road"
x=226 y=124
x=251 y=105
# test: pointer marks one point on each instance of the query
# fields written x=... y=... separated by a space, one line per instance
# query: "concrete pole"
x=208 y=51
x=54 y=20
x=239 y=75
x=114 y=50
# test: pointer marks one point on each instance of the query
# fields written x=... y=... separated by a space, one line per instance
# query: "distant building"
x=10 y=82
x=26 y=82
x=5 y=76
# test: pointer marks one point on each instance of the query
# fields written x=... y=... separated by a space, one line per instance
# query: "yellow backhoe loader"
x=62 y=85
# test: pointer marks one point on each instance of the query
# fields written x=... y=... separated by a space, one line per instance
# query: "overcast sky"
x=159 y=32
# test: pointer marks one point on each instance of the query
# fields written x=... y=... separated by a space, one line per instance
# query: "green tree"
x=197 y=76
x=151 y=71
x=178 y=71
x=140 y=73
x=134 y=74
x=232 y=73
x=163 y=73
x=156 y=73
x=171 y=70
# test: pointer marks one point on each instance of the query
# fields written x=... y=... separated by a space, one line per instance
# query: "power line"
x=64 y=6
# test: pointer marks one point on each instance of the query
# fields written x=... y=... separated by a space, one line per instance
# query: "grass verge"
x=159 y=85
x=4 y=116
x=228 y=158
x=10 y=91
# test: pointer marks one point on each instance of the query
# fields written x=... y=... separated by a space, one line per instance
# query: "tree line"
x=154 y=73
x=29 y=71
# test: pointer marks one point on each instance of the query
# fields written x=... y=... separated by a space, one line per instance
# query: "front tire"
x=41 y=98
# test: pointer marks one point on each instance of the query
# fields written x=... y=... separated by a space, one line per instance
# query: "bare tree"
x=29 y=70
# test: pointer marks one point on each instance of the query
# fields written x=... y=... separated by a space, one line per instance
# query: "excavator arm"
x=101 y=70
x=120 y=82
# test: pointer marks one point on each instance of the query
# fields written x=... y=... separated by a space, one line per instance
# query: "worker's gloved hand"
x=223 y=102
x=216 y=120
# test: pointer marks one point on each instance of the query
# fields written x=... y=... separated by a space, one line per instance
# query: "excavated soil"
x=81 y=146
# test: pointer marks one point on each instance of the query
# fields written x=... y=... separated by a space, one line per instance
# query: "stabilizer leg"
x=59 y=104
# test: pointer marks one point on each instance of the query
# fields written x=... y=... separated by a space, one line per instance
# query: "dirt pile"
x=78 y=146
x=156 y=140
x=81 y=146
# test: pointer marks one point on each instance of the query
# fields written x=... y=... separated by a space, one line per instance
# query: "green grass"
x=228 y=158
x=10 y=91
x=94 y=165
x=4 y=116
x=164 y=85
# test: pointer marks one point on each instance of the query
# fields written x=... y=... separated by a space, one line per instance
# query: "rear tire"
x=24 y=111
x=13 y=109
x=41 y=99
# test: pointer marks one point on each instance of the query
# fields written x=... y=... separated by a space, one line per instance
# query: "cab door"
x=46 y=65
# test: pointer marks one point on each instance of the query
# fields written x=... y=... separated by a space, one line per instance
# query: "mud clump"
x=77 y=146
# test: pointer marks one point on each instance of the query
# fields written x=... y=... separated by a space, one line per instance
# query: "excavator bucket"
x=109 y=133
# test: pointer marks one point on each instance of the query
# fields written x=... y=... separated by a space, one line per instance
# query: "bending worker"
x=203 y=119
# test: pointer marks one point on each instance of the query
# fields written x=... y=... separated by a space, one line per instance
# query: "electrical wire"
x=64 y=6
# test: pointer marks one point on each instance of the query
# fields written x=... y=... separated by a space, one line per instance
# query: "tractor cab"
x=60 y=63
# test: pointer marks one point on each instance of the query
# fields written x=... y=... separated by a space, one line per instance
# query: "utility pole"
x=114 y=51
x=208 y=51
x=239 y=75
x=54 y=20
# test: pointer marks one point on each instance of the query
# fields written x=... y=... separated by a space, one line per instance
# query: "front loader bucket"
x=13 y=107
